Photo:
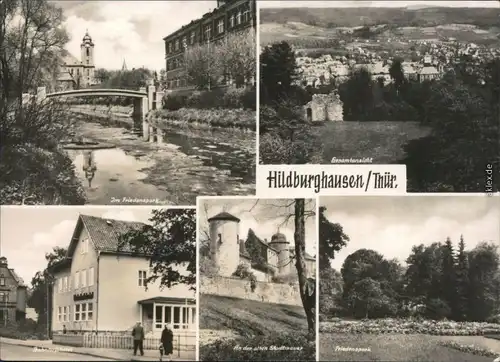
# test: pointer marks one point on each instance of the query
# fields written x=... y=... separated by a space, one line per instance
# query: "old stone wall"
x=239 y=288
x=324 y=107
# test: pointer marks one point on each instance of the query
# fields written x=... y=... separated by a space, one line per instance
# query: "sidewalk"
x=105 y=353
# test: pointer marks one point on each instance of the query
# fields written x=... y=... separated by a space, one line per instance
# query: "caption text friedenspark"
x=324 y=180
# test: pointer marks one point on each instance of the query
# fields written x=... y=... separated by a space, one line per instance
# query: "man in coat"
x=138 y=335
x=167 y=341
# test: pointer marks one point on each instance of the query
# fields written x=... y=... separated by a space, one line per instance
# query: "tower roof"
x=278 y=238
x=87 y=39
x=224 y=216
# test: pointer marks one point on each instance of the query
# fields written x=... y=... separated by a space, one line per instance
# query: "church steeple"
x=124 y=66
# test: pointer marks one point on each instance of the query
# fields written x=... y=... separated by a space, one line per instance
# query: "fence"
x=181 y=342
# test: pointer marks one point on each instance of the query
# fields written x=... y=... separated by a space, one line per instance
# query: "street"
x=10 y=352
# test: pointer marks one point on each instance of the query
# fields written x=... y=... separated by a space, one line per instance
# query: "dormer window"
x=238 y=17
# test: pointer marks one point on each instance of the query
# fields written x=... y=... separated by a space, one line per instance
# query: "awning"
x=168 y=300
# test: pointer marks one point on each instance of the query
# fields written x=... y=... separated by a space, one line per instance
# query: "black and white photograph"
x=257 y=279
x=98 y=283
x=126 y=102
x=409 y=278
x=412 y=83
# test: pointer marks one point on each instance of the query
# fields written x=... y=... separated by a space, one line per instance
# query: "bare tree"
x=203 y=65
x=239 y=56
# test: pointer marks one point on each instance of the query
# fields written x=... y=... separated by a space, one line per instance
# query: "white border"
x=257 y=88
x=317 y=280
x=197 y=295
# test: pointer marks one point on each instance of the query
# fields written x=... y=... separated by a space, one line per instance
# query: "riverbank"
x=184 y=164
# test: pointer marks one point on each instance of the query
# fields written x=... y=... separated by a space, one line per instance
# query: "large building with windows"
x=100 y=289
x=229 y=16
x=74 y=73
x=13 y=294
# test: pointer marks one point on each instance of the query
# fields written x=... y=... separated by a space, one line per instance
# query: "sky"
x=128 y=30
x=381 y=4
x=392 y=225
x=265 y=218
x=27 y=233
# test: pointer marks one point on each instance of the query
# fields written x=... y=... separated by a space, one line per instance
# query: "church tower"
x=87 y=54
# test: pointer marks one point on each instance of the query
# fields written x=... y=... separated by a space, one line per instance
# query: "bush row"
x=218 y=98
x=238 y=118
x=404 y=326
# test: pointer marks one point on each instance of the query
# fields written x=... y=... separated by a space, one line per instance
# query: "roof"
x=429 y=70
x=224 y=216
x=65 y=77
x=69 y=59
x=167 y=300
x=17 y=278
x=251 y=236
x=243 y=250
x=103 y=233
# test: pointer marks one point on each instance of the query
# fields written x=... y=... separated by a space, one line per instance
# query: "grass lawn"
x=394 y=347
x=248 y=317
x=382 y=141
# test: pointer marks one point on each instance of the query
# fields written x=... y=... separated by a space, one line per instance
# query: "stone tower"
x=282 y=246
x=87 y=53
x=224 y=242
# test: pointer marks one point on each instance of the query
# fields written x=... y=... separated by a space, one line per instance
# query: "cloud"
x=381 y=4
x=58 y=235
x=392 y=227
x=129 y=30
x=124 y=215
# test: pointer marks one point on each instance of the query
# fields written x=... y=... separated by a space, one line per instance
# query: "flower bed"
x=237 y=118
x=472 y=349
x=405 y=326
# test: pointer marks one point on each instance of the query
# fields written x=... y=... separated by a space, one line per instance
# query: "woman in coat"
x=167 y=340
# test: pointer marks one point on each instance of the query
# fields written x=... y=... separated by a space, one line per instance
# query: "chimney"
x=3 y=261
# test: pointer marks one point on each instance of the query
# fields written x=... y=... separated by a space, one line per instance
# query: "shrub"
x=276 y=347
x=206 y=99
x=244 y=272
x=174 y=101
x=208 y=267
x=239 y=98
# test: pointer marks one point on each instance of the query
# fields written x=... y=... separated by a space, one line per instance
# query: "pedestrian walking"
x=138 y=335
x=167 y=342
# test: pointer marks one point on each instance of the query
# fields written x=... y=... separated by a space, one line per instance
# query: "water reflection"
x=89 y=166
x=212 y=152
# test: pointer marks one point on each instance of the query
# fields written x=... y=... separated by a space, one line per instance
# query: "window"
x=4 y=315
x=246 y=15
x=85 y=242
x=220 y=26
x=142 y=278
x=208 y=32
x=4 y=297
x=184 y=42
x=231 y=21
x=59 y=314
x=83 y=277
x=88 y=73
x=65 y=314
x=179 y=317
x=91 y=276
x=60 y=285
x=170 y=47
x=84 y=311
x=238 y=17
x=77 y=312
x=88 y=52
x=177 y=44
x=192 y=37
x=65 y=284
x=77 y=280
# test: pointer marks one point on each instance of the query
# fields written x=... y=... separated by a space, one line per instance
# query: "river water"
x=184 y=164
